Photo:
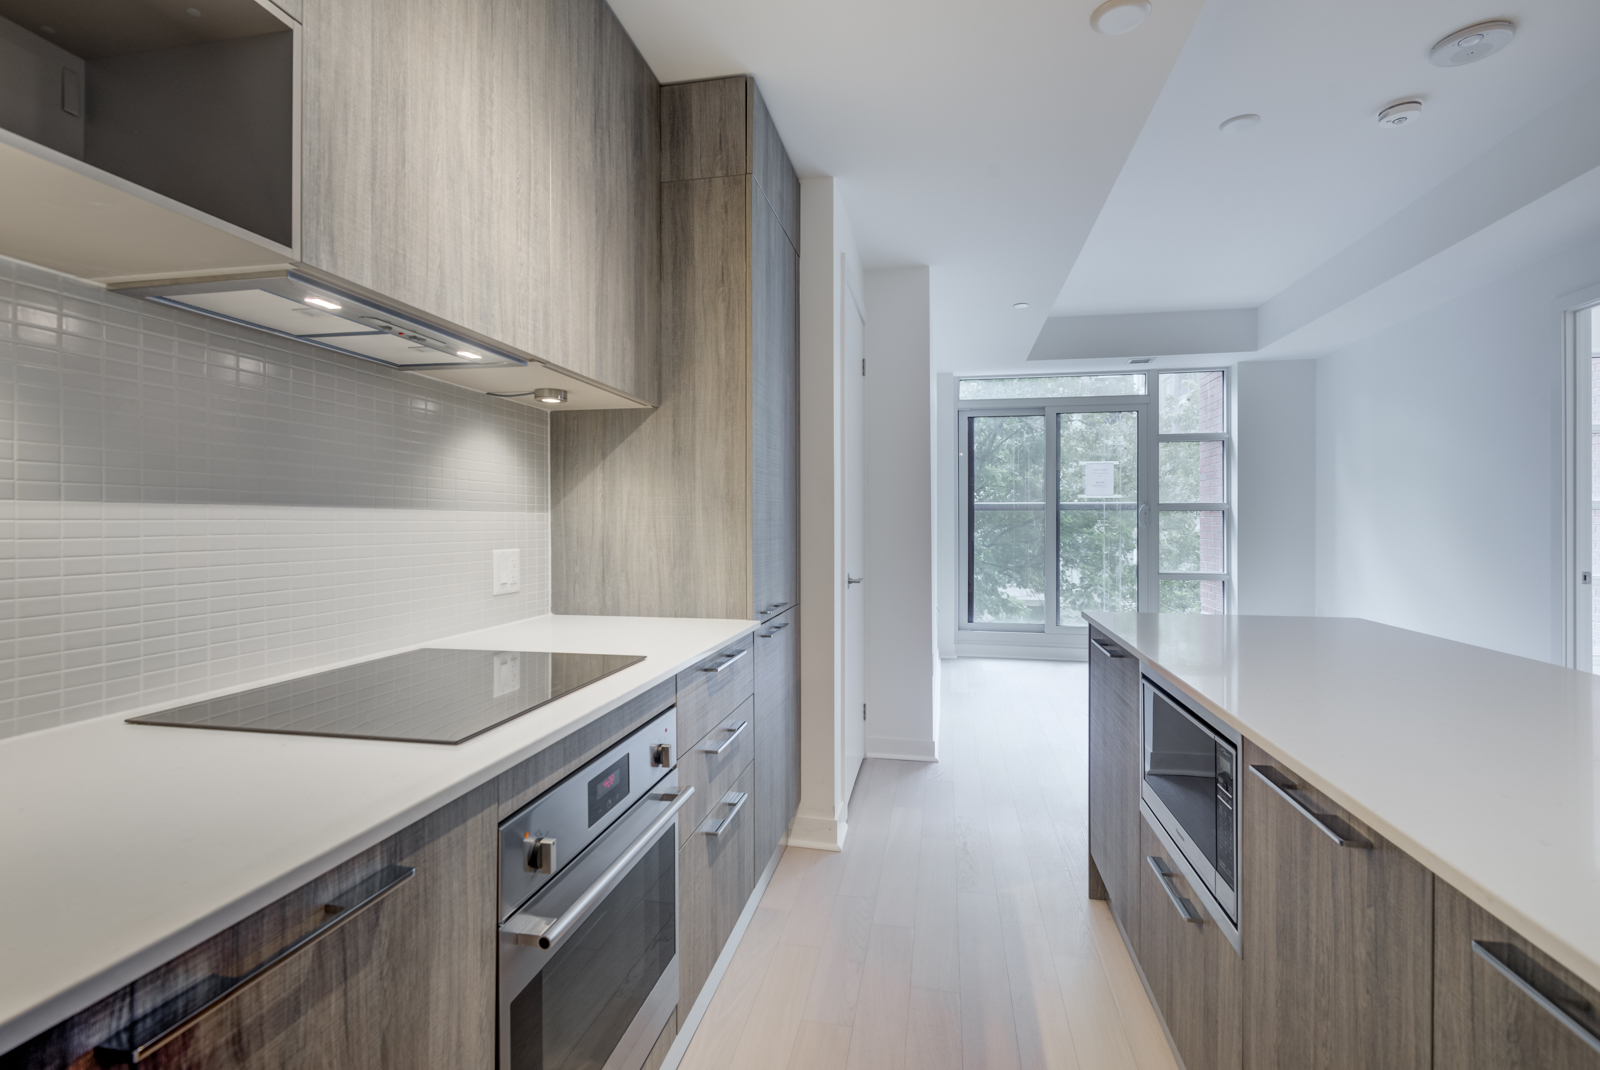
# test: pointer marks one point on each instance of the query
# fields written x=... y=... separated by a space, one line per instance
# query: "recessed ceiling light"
x=1020 y=304
x=1119 y=16
x=323 y=302
x=1239 y=124
x=1472 y=43
x=550 y=395
x=1407 y=111
x=469 y=356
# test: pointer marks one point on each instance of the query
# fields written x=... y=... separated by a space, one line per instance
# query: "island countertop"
x=1480 y=765
x=122 y=845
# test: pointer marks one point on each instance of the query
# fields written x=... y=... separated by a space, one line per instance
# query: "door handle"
x=1184 y=908
x=850 y=581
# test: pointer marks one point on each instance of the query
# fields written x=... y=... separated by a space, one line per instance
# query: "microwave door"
x=1181 y=768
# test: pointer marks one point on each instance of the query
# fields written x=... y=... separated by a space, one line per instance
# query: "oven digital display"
x=607 y=788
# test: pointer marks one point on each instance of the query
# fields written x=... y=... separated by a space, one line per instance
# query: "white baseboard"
x=817 y=834
x=903 y=750
x=691 y=1021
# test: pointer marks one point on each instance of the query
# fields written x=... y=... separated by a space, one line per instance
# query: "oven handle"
x=529 y=929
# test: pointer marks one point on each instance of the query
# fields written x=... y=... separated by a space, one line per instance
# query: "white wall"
x=1275 y=501
x=902 y=664
x=828 y=264
x=1440 y=467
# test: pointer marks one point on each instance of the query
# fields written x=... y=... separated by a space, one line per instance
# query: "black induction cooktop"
x=422 y=696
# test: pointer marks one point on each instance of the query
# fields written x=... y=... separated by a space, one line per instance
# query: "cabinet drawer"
x=716 y=875
x=713 y=689
x=777 y=726
x=1508 y=1006
x=712 y=775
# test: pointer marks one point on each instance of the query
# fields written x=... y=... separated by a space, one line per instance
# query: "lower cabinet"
x=777 y=724
x=1114 y=716
x=407 y=983
x=716 y=874
x=1501 y=1004
x=1338 y=930
x=1194 y=974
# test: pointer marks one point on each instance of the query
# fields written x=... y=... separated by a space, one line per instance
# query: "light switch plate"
x=507 y=571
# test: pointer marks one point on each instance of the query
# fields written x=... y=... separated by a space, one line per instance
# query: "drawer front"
x=716 y=875
x=713 y=689
x=777 y=725
x=712 y=775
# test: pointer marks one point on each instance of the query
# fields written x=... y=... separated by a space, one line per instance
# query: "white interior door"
x=854 y=579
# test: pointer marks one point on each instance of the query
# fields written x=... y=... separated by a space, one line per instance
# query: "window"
x=1091 y=492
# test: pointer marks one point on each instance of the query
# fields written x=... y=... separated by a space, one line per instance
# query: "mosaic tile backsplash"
x=188 y=505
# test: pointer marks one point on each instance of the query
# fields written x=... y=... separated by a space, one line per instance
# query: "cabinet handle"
x=780 y=627
x=369 y=892
x=1346 y=838
x=527 y=929
x=731 y=658
x=736 y=799
x=1183 y=906
x=733 y=734
x=1551 y=1007
x=1107 y=651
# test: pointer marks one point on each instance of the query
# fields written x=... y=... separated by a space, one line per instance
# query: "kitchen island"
x=1453 y=911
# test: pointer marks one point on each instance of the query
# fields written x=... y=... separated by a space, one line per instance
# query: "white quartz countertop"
x=1480 y=765
x=123 y=845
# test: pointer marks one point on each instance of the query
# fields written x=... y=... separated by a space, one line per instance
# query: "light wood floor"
x=955 y=929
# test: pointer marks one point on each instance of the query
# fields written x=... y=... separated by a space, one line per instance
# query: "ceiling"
x=1200 y=219
x=978 y=139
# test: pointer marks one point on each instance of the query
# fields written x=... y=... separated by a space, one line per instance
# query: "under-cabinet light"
x=469 y=356
x=550 y=395
x=323 y=302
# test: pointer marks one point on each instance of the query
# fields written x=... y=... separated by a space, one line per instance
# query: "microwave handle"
x=547 y=932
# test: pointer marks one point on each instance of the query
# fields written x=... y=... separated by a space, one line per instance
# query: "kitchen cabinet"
x=1114 y=718
x=1338 y=970
x=714 y=688
x=777 y=732
x=493 y=164
x=716 y=874
x=407 y=982
x=713 y=764
x=691 y=510
x=1499 y=1003
x=1193 y=972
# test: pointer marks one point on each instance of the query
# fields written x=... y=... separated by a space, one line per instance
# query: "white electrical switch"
x=507 y=571
x=507 y=671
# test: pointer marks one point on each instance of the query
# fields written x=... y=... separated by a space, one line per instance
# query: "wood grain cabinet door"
x=777 y=723
x=1114 y=761
x=1499 y=1002
x=716 y=874
x=1193 y=972
x=1337 y=938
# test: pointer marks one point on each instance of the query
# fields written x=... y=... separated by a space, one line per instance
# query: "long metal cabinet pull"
x=1107 y=651
x=1184 y=907
x=731 y=658
x=1267 y=774
x=733 y=734
x=1578 y=1028
x=736 y=800
x=546 y=932
x=137 y=1052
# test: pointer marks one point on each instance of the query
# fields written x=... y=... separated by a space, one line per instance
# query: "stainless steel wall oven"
x=589 y=911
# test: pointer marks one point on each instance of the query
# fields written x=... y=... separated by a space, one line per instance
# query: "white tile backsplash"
x=186 y=505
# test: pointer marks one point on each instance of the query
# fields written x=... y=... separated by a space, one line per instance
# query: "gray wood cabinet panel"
x=408 y=983
x=526 y=781
x=716 y=875
x=1339 y=970
x=1192 y=970
x=1482 y=1020
x=705 y=130
x=713 y=775
x=651 y=511
x=705 y=697
x=773 y=170
x=1114 y=759
x=775 y=469
x=777 y=725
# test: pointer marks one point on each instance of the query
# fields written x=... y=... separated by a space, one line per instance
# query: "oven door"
x=589 y=965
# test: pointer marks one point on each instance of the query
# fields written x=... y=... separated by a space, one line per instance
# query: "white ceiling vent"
x=1119 y=16
x=1472 y=43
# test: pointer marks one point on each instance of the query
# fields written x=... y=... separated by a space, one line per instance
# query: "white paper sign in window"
x=1099 y=479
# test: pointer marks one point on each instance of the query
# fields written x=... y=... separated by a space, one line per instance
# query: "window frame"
x=1148 y=504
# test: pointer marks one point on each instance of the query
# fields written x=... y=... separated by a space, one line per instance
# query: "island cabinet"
x=1195 y=976
x=1499 y=1003
x=1337 y=924
x=398 y=973
x=494 y=164
x=1114 y=836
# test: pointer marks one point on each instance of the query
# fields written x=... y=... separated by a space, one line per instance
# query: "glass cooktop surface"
x=422 y=696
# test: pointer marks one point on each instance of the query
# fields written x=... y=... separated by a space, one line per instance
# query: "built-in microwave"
x=1188 y=787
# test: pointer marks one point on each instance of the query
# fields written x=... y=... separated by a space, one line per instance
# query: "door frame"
x=1578 y=423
